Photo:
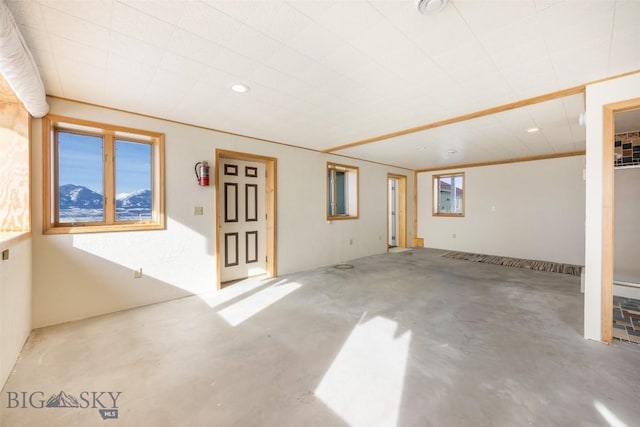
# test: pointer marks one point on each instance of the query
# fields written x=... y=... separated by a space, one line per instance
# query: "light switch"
x=198 y=210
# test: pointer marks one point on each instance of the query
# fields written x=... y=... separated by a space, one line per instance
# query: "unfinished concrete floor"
x=407 y=339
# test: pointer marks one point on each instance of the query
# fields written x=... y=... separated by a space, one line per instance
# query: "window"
x=342 y=191
x=448 y=195
x=101 y=177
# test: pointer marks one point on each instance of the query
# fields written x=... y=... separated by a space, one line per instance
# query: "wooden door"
x=242 y=221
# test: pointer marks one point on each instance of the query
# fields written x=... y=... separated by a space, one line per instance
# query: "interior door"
x=393 y=212
x=242 y=222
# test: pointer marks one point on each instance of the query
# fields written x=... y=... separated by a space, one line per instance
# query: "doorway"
x=245 y=186
x=396 y=211
x=607 y=263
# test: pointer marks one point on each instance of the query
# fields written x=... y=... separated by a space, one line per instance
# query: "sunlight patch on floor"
x=237 y=313
x=365 y=381
x=218 y=297
x=608 y=416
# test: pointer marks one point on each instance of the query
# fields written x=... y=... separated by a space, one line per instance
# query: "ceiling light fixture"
x=533 y=130
x=452 y=152
x=240 y=88
x=430 y=7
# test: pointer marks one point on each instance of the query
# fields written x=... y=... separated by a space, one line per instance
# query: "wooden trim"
x=347 y=168
x=108 y=133
x=488 y=111
x=608 y=214
x=415 y=210
x=271 y=185
x=148 y=116
x=11 y=239
x=109 y=177
x=402 y=208
x=47 y=185
x=606 y=314
x=434 y=204
x=401 y=214
x=98 y=126
x=505 y=161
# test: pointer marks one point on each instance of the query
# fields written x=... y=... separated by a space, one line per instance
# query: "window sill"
x=339 y=218
x=103 y=228
x=450 y=215
x=9 y=239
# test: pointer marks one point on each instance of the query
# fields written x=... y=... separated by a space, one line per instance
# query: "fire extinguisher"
x=202 y=173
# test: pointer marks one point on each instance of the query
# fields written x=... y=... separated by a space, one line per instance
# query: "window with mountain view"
x=102 y=177
x=448 y=195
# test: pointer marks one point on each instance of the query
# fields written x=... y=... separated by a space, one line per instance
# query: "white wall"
x=15 y=305
x=598 y=95
x=532 y=210
x=82 y=275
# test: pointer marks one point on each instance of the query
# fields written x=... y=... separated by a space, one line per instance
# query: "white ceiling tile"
x=349 y=19
x=315 y=41
x=81 y=81
x=484 y=17
x=94 y=11
x=134 y=49
x=209 y=23
x=79 y=30
x=194 y=47
x=330 y=72
x=277 y=19
x=133 y=23
x=170 y=11
x=65 y=48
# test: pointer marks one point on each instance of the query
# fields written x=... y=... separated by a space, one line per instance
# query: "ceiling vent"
x=429 y=7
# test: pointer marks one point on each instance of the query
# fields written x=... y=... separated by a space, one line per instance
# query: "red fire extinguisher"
x=202 y=173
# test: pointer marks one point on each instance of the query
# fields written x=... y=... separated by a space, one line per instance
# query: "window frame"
x=51 y=125
x=351 y=172
x=435 y=200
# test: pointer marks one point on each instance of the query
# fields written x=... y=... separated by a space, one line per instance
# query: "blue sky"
x=80 y=163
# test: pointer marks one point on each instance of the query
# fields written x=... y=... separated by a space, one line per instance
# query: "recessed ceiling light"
x=533 y=130
x=429 y=7
x=240 y=88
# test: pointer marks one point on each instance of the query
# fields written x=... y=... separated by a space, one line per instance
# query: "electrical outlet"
x=198 y=210
x=137 y=273
x=351 y=241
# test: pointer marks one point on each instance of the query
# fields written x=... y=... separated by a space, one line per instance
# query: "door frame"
x=271 y=164
x=401 y=213
x=608 y=139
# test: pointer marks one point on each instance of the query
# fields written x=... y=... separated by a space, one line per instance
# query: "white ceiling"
x=327 y=73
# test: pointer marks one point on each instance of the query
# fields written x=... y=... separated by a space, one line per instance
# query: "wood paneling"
x=15 y=212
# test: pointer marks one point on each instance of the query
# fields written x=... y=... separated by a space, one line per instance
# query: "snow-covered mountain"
x=77 y=196
x=137 y=199
x=81 y=204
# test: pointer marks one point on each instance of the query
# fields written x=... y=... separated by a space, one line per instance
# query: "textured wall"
x=82 y=275
x=532 y=210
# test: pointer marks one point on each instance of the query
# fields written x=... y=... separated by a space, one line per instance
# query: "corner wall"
x=597 y=96
x=83 y=275
x=15 y=305
x=532 y=210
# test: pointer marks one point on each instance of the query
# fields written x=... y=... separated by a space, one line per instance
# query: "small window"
x=101 y=177
x=448 y=195
x=342 y=191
